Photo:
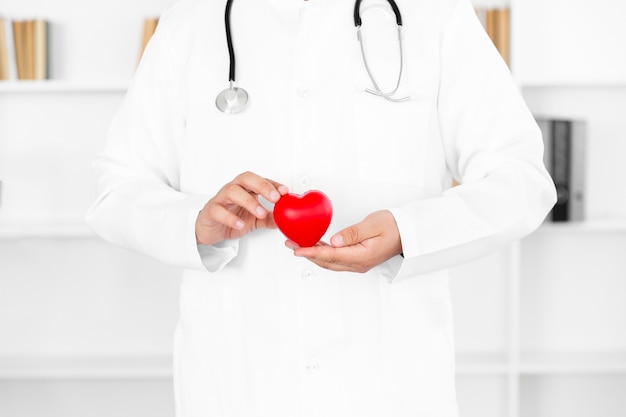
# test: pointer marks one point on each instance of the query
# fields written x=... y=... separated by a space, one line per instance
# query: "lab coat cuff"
x=428 y=230
x=209 y=257
x=394 y=269
x=216 y=257
x=390 y=270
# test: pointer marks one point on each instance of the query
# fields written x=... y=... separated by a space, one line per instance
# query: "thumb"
x=348 y=236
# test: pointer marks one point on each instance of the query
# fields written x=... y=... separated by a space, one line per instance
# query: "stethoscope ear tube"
x=235 y=99
x=389 y=96
x=392 y=3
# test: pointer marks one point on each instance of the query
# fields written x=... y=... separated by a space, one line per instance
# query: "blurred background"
x=86 y=327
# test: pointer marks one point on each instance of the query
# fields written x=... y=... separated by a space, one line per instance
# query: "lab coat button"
x=312 y=367
x=303 y=93
x=307 y=274
x=304 y=181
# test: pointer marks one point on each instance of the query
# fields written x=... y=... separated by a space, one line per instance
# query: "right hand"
x=235 y=210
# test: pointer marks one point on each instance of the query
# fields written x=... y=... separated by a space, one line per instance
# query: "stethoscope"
x=235 y=99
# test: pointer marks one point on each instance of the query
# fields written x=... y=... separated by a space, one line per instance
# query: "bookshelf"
x=571 y=44
x=63 y=86
x=539 y=324
x=85 y=368
x=87 y=327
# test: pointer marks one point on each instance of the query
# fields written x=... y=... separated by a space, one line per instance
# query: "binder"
x=564 y=158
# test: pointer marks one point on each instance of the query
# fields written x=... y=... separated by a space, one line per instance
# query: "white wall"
x=85 y=327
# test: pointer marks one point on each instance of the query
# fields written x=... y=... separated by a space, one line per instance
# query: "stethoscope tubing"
x=377 y=91
x=229 y=41
x=234 y=99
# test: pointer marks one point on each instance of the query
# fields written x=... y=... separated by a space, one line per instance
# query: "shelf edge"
x=61 y=86
x=45 y=230
x=86 y=368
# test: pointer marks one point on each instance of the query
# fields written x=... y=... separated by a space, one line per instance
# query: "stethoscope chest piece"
x=232 y=100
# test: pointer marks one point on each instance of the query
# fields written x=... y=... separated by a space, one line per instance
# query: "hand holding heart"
x=235 y=210
x=357 y=248
x=304 y=220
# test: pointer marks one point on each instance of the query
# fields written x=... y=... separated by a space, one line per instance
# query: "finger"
x=256 y=184
x=266 y=223
x=235 y=194
x=219 y=214
x=281 y=188
x=291 y=244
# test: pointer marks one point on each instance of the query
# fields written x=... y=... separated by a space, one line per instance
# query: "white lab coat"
x=261 y=332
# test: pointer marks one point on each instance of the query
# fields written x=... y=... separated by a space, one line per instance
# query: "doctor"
x=361 y=325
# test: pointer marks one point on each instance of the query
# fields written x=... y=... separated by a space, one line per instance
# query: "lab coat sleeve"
x=139 y=204
x=493 y=147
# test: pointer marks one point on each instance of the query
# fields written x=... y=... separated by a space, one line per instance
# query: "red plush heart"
x=303 y=218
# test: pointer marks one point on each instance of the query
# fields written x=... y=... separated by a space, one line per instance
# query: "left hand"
x=357 y=248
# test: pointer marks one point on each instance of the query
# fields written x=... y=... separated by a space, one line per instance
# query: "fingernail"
x=283 y=189
x=337 y=240
x=274 y=195
x=240 y=224
x=260 y=211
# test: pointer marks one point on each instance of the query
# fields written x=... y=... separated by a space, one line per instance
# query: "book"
x=30 y=48
x=564 y=158
x=149 y=26
x=10 y=50
x=497 y=24
x=29 y=54
x=19 y=42
x=4 y=51
x=502 y=33
x=40 y=50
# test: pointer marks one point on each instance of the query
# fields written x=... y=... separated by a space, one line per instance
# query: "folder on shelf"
x=564 y=157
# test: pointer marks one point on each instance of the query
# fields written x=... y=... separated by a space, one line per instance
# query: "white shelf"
x=608 y=84
x=45 y=230
x=480 y=363
x=600 y=225
x=572 y=84
x=551 y=363
x=60 y=86
x=59 y=368
x=548 y=363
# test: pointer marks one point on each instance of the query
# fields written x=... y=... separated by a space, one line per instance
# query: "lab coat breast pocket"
x=390 y=139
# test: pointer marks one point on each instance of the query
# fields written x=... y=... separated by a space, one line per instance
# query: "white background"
x=86 y=328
